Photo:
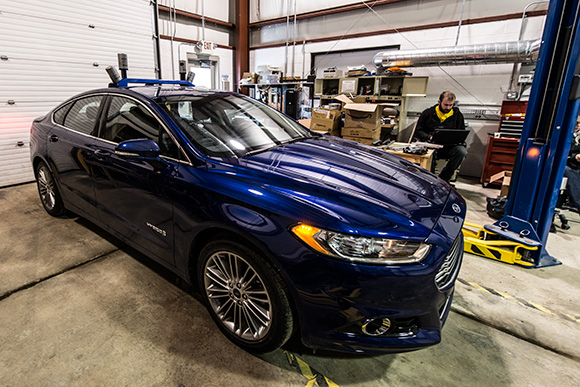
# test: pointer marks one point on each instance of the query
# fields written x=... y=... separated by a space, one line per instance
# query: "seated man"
x=443 y=116
x=572 y=171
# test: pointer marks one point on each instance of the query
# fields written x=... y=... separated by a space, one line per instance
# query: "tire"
x=245 y=296
x=48 y=191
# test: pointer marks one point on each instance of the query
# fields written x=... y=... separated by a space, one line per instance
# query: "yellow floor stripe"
x=504 y=295
x=522 y=302
x=571 y=317
x=305 y=369
x=540 y=307
x=308 y=372
x=478 y=287
x=330 y=382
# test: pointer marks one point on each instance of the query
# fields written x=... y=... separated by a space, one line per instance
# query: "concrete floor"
x=77 y=307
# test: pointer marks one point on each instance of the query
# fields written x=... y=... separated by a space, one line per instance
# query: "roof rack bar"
x=126 y=81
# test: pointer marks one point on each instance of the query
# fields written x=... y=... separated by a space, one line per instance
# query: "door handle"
x=100 y=153
x=53 y=138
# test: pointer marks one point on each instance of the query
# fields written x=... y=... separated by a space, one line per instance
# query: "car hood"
x=344 y=186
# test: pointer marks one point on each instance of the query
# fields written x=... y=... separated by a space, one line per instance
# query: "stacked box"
x=325 y=121
x=362 y=122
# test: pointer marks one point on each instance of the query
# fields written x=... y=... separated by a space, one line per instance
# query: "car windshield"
x=228 y=125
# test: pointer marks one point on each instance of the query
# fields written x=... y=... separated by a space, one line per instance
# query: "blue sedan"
x=283 y=230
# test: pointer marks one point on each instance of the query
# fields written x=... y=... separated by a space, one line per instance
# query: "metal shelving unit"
x=395 y=89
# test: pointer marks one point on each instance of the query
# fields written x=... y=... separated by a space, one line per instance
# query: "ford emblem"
x=456 y=208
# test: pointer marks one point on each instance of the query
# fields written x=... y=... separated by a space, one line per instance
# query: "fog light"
x=376 y=326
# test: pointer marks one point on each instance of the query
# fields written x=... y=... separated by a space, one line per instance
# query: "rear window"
x=60 y=113
x=82 y=116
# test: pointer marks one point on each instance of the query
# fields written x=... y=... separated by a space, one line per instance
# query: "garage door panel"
x=56 y=49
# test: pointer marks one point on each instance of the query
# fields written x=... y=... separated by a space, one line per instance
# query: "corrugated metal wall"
x=51 y=50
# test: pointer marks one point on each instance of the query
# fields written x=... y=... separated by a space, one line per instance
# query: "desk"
x=424 y=160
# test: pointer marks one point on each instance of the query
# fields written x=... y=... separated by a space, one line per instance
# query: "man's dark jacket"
x=572 y=162
x=428 y=122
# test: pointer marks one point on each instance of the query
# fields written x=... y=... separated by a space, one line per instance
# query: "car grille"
x=450 y=267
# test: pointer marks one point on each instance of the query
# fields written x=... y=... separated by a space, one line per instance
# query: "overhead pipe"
x=508 y=52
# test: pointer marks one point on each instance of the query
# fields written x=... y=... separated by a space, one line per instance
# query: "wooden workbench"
x=424 y=161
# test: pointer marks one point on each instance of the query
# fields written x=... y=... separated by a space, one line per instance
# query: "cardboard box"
x=321 y=113
x=325 y=121
x=343 y=99
x=346 y=100
x=359 y=99
x=356 y=73
x=505 y=184
x=362 y=115
x=373 y=134
x=366 y=141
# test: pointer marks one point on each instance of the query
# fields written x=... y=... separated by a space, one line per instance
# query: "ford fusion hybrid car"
x=283 y=230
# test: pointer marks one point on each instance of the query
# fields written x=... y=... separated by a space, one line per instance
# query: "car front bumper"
x=335 y=299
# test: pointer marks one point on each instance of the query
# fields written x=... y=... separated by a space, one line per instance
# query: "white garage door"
x=51 y=50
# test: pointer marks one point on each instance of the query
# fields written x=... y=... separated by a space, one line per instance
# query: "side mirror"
x=141 y=149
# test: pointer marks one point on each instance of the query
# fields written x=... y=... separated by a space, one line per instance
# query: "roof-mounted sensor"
x=123 y=81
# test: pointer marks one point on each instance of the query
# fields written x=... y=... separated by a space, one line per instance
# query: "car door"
x=134 y=196
x=69 y=145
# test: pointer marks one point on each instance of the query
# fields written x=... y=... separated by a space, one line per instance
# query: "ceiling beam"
x=454 y=23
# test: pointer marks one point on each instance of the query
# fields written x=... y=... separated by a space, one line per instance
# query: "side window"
x=60 y=114
x=82 y=116
x=129 y=120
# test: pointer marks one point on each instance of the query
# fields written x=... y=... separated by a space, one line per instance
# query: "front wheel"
x=48 y=191
x=245 y=296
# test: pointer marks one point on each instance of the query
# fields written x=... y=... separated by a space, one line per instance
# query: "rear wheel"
x=245 y=296
x=48 y=191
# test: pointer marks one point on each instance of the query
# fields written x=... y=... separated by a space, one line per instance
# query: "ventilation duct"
x=508 y=52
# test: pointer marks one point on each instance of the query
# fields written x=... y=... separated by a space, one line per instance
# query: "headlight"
x=361 y=249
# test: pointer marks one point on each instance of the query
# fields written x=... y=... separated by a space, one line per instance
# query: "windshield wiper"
x=295 y=140
x=256 y=151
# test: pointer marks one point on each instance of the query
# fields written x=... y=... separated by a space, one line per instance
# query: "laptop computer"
x=449 y=136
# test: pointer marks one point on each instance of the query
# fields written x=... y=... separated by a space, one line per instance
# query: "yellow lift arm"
x=490 y=245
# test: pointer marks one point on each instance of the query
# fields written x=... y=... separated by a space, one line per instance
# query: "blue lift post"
x=551 y=116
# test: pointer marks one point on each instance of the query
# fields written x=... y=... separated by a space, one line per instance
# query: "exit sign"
x=205 y=48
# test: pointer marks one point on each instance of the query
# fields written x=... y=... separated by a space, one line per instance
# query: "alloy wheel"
x=46 y=188
x=238 y=296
